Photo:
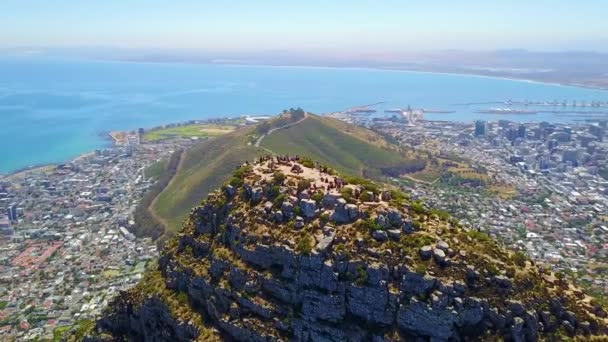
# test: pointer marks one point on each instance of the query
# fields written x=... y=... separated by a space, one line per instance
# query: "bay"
x=52 y=110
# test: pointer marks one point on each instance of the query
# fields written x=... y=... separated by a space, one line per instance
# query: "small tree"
x=305 y=244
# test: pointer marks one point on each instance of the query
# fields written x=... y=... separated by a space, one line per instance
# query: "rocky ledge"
x=289 y=250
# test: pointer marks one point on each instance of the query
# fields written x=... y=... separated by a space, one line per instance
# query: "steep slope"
x=351 y=149
x=203 y=168
x=292 y=251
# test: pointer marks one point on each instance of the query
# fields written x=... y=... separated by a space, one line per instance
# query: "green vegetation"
x=187 y=131
x=519 y=259
x=351 y=150
x=303 y=185
x=145 y=222
x=479 y=236
x=369 y=225
x=361 y=276
x=205 y=167
x=157 y=169
x=304 y=244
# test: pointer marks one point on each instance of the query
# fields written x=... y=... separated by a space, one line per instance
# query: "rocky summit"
x=290 y=250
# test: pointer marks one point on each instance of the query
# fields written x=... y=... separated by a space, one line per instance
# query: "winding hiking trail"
x=257 y=143
x=163 y=221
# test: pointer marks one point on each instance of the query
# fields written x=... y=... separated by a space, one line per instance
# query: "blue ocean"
x=52 y=110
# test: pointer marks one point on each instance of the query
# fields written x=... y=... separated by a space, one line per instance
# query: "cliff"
x=289 y=250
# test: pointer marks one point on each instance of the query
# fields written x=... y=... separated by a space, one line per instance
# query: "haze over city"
x=325 y=27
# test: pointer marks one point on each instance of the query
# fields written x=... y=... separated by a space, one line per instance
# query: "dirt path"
x=257 y=143
x=419 y=180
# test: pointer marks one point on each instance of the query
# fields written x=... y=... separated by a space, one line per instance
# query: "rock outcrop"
x=267 y=265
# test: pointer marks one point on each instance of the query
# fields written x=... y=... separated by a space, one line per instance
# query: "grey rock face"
x=421 y=319
x=414 y=284
x=373 y=304
x=330 y=308
x=308 y=207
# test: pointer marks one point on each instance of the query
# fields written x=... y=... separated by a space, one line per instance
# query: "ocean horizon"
x=52 y=110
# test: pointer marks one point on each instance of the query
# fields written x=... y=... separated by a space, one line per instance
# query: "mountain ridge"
x=290 y=250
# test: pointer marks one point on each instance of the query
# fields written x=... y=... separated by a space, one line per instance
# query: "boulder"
x=380 y=235
x=517 y=329
x=229 y=190
x=308 y=207
x=268 y=206
x=353 y=211
x=341 y=213
x=394 y=217
x=516 y=307
x=256 y=194
x=414 y=284
x=407 y=227
x=503 y=281
x=278 y=216
x=299 y=224
x=330 y=200
x=325 y=242
x=382 y=221
x=443 y=246
x=568 y=327
x=472 y=274
x=426 y=252
x=287 y=209
x=385 y=195
x=394 y=234
x=439 y=256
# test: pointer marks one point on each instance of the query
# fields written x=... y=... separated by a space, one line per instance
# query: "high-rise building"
x=480 y=128
x=597 y=130
x=521 y=131
x=11 y=212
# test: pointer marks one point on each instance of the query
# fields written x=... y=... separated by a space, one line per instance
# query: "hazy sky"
x=328 y=25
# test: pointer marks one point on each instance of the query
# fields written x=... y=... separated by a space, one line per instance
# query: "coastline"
x=389 y=69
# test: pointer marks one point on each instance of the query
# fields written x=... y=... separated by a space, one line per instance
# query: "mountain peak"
x=288 y=249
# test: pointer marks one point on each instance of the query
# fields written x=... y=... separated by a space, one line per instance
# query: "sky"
x=385 y=26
